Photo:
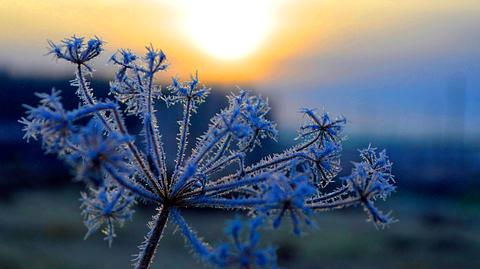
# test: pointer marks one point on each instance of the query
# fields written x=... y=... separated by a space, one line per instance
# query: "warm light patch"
x=227 y=29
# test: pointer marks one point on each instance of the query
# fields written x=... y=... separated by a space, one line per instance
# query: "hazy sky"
x=387 y=65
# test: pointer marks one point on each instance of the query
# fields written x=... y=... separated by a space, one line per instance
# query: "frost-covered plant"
x=120 y=169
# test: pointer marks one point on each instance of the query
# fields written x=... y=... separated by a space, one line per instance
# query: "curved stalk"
x=157 y=145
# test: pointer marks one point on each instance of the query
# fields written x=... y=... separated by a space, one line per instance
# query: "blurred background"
x=406 y=75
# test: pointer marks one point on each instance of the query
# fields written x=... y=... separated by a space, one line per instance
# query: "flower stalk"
x=215 y=173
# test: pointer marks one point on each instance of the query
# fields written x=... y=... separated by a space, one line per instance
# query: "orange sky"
x=296 y=29
x=383 y=64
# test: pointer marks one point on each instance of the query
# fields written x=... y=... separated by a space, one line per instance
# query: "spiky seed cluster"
x=48 y=121
x=105 y=207
x=76 y=51
x=93 y=153
x=118 y=170
x=128 y=88
x=287 y=195
x=244 y=247
x=371 y=179
x=243 y=251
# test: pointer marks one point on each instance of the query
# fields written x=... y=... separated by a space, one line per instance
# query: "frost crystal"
x=119 y=169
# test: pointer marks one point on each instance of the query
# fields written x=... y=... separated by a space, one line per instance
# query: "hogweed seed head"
x=104 y=207
x=95 y=152
x=118 y=170
x=244 y=249
x=372 y=179
x=288 y=195
x=76 y=50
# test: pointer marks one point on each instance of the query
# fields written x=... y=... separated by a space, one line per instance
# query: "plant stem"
x=136 y=153
x=154 y=237
x=183 y=137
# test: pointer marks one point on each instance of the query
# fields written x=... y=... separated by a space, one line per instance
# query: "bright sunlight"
x=228 y=30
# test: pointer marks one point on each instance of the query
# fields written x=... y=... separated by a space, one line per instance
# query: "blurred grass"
x=43 y=230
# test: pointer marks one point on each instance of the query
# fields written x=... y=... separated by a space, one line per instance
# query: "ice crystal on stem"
x=119 y=169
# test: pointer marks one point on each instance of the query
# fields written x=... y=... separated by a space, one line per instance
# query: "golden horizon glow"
x=227 y=41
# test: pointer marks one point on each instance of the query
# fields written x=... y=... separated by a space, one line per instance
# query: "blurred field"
x=43 y=230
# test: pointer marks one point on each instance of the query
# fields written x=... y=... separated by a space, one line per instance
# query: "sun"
x=228 y=29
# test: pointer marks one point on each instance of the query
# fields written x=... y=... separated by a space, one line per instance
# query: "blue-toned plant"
x=120 y=169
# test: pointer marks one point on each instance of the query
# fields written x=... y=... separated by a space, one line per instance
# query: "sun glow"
x=228 y=29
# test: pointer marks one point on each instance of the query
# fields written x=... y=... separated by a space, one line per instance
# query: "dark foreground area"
x=43 y=230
